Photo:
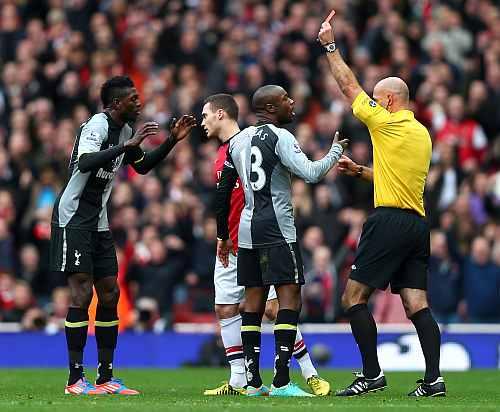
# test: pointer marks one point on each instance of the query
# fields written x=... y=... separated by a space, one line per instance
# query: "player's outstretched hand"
x=223 y=249
x=325 y=35
x=182 y=127
x=146 y=130
x=344 y=142
x=347 y=166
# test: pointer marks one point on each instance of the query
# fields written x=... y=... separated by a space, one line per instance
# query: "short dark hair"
x=114 y=88
x=225 y=102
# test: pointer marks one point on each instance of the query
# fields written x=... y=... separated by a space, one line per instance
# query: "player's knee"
x=345 y=302
x=110 y=297
x=350 y=299
x=81 y=298
x=81 y=295
x=413 y=302
x=226 y=311
x=413 y=307
x=271 y=309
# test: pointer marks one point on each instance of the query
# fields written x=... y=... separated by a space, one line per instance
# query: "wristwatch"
x=330 y=47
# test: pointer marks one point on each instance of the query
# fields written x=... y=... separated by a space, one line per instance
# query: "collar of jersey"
x=112 y=122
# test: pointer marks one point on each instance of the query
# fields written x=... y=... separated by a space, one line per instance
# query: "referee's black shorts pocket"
x=413 y=273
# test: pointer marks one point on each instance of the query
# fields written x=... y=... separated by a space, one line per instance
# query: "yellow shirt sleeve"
x=369 y=112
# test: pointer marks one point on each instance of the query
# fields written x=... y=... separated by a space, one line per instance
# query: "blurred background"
x=55 y=55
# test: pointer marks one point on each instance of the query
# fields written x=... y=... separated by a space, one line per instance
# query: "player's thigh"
x=249 y=268
x=71 y=251
x=284 y=265
x=104 y=255
x=379 y=254
x=415 y=267
x=227 y=290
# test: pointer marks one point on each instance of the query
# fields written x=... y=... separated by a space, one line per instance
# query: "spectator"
x=157 y=277
x=23 y=301
x=464 y=133
x=481 y=284
x=319 y=295
x=445 y=282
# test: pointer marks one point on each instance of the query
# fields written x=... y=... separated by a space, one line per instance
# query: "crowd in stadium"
x=55 y=55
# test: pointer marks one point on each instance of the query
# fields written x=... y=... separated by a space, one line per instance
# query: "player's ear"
x=220 y=114
x=271 y=108
x=115 y=103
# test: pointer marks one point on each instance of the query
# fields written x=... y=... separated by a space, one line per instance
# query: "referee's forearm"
x=343 y=75
x=367 y=174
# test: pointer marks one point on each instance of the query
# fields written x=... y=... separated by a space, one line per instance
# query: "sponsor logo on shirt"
x=104 y=174
x=94 y=136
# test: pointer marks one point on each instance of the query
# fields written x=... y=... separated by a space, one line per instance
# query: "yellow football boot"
x=225 y=389
x=319 y=386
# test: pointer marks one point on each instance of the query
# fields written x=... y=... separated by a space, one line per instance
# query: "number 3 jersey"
x=264 y=157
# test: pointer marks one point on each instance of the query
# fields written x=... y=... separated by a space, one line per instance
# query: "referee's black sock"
x=285 y=330
x=250 y=337
x=76 y=326
x=430 y=340
x=364 y=330
x=106 y=334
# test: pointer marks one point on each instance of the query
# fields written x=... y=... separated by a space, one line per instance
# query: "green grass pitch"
x=181 y=390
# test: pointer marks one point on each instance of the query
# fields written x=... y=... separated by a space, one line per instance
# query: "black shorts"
x=275 y=265
x=83 y=251
x=394 y=249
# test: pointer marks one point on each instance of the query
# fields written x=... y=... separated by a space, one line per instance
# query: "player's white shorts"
x=227 y=291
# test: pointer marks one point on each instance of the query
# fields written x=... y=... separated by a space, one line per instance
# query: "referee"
x=394 y=244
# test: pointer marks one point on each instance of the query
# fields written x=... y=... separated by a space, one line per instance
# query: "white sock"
x=304 y=360
x=230 y=330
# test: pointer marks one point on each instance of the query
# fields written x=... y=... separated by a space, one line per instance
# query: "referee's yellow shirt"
x=402 y=151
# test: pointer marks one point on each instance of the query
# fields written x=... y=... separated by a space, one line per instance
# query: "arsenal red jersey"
x=237 y=197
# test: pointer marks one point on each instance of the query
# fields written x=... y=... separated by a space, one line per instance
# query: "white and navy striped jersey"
x=264 y=157
x=82 y=202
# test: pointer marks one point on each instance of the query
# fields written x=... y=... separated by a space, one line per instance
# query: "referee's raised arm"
x=344 y=76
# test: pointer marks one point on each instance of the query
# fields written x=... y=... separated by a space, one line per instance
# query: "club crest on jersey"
x=372 y=103
x=77 y=258
x=296 y=148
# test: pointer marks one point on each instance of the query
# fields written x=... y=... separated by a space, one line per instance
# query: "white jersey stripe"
x=64 y=251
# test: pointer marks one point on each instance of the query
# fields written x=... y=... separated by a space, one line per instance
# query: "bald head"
x=392 y=93
x=265 y=95
x=271 y=103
